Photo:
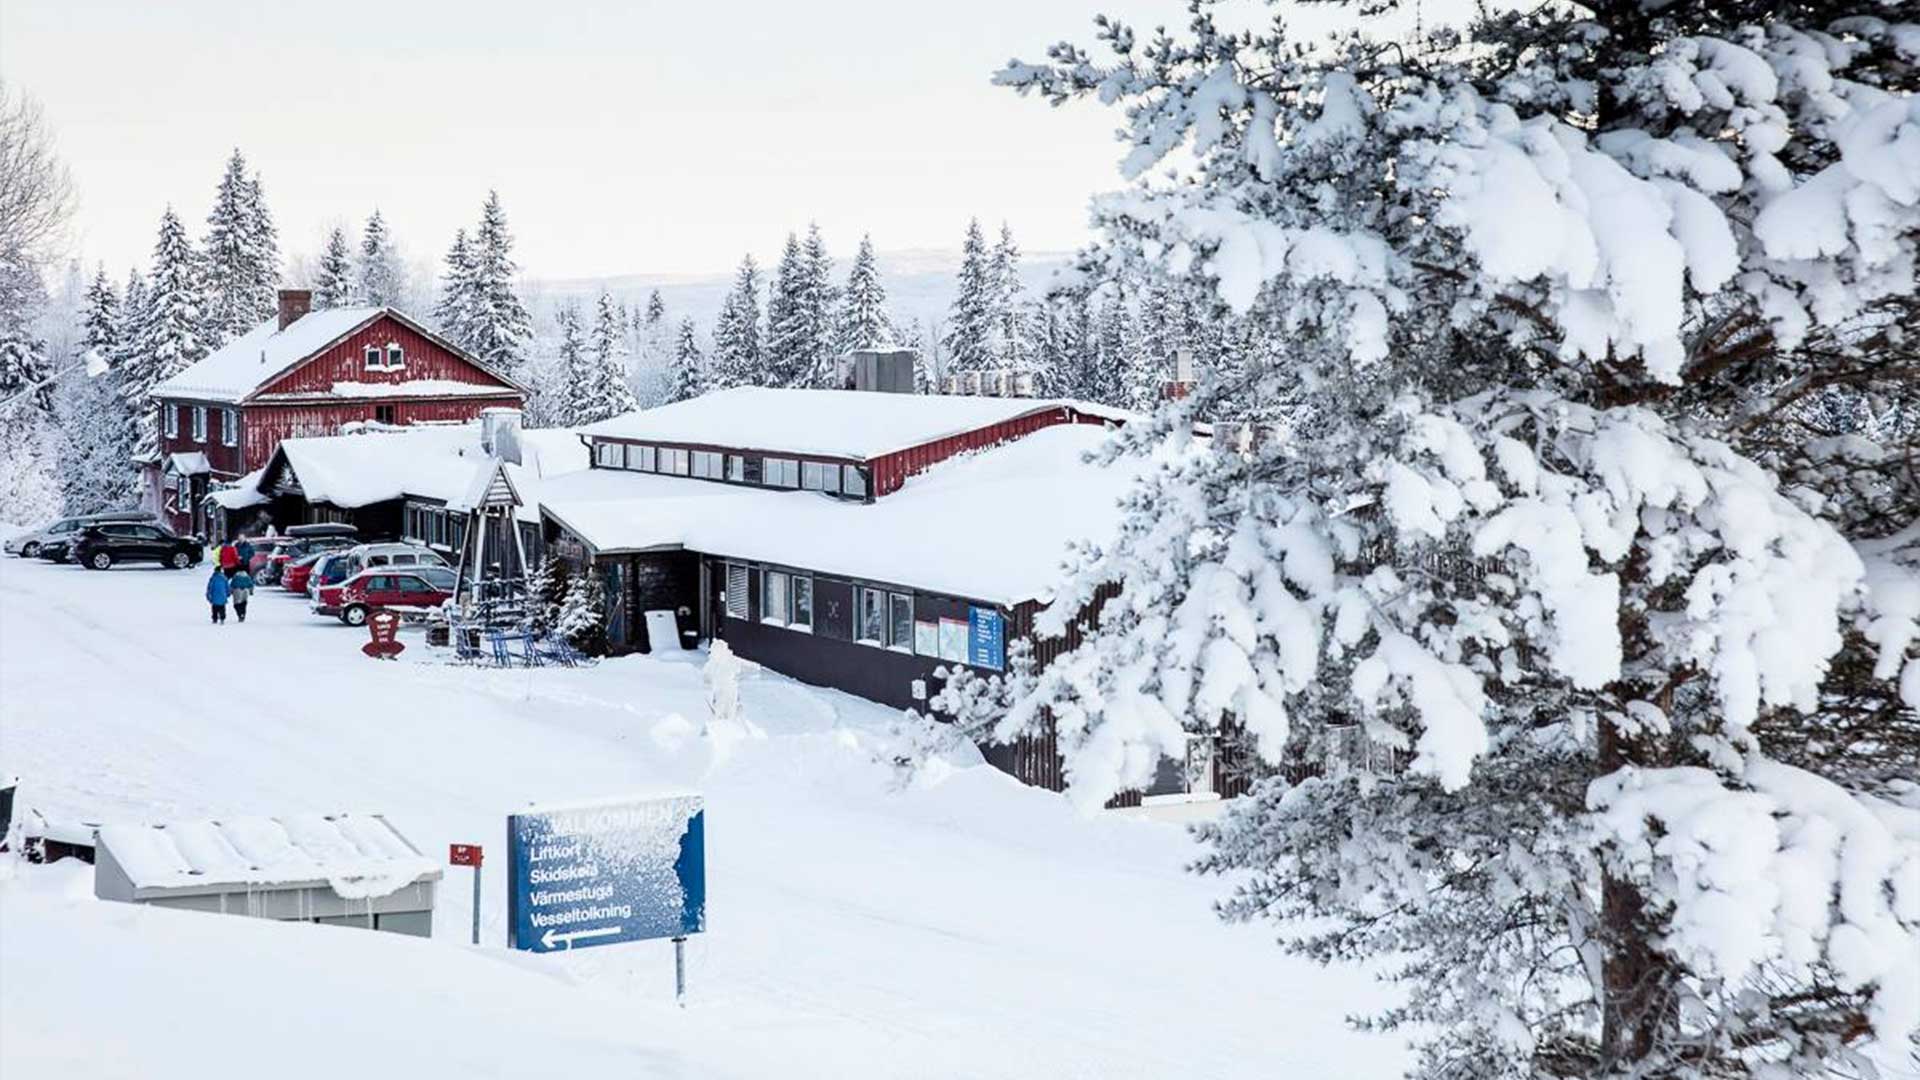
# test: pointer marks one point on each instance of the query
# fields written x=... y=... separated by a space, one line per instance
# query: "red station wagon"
x=411 y=590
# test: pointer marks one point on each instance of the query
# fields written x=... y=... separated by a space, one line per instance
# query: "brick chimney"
x=293 y=304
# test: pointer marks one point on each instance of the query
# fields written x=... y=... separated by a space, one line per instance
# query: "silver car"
x=28 y=545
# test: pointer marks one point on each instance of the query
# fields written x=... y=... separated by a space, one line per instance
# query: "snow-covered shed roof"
x=356 y=854
x=438 y=461
x=188 y=463
x=256 y=358
x=993 y=525
x=857 y=424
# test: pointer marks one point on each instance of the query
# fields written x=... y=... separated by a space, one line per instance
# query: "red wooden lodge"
x=304 y=373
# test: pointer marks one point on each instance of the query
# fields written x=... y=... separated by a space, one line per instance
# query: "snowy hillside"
x=970 y=927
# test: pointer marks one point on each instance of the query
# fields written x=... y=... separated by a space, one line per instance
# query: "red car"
x=413 y=590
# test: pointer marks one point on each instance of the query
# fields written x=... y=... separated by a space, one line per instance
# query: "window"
x=815 y=476
x=171 y=413
x=780 y=472
x=396 y=356
x=373 y=358
x=640 y=458
x=199 y=423
x=736 y=468
x=672 y=461
x=773 y=597
x=884 y=618
x=607 y=455
x=900 y=634
x=383 y=414
x=706 y=464
x=803 y=602
x=229 y=427
x=853 y=481
x=736 y=593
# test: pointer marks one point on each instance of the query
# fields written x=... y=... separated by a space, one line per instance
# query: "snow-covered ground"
x=969 y=927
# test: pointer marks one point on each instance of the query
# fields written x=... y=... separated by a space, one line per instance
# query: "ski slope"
x=966 y=927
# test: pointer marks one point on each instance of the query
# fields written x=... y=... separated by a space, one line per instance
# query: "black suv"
x=100 y=546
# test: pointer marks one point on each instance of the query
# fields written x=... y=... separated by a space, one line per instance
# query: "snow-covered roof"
x=993 y=525
x=256 y=357
x=188 y=463
x=357 y=854
x=440 y=461
x=856 y=424
x=412 y=388
x=243 y=493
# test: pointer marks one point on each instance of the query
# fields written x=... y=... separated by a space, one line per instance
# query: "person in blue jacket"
x=217 y=592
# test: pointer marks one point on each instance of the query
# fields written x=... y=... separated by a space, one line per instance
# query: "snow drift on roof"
x=249 y=361
x=994 y=525
x=430 y=461
x=832 y=423
x=359 y=855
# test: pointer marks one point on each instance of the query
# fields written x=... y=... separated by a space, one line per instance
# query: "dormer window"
x=374 y=362
x=396 y=356
x=391 y=358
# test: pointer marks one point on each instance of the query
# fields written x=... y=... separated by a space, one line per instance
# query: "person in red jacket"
x=229 y=558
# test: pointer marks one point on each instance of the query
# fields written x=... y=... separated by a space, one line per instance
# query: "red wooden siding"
x=346 y=362
x=226 y=461
x=890 y=471
x=263 y=426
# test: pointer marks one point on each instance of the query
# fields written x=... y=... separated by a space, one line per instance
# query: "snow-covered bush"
x=581 y=618
x=1580 y=346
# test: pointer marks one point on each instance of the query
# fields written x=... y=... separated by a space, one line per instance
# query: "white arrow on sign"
x=551 y=939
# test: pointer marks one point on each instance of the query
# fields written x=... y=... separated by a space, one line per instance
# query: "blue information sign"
x=605 y=873
x=986 y=638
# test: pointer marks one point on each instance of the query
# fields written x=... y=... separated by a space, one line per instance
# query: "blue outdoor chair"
x=501 y=656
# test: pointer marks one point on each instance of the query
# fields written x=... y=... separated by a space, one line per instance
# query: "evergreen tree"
x=242 y=256
x=971 y=326
x=98 y=474
x=652 y=374
x=334 y=285
x=582 y=618
x=1117 y=377
x=1554 y=641
x=378 y=268
x=169 y=336
x=737 y=360
x=688 y=378
x=607 y=394
x=656 y=309
x=570 y=381
x=133 y=310
x=863 y=322
x=23 y=353
x=456 y=314
x=501 y=328
x=819 y=361
x=1012 y=336
x=788 y=345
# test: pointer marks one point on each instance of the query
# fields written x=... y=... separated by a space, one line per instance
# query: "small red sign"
x=464 y=854
x=384 y=626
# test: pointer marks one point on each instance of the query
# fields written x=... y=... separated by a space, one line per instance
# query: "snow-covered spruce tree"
x=377 y=270
x=98 y=474
x=862 y=322
x=168 y=334
x=501 y=327
x=1119 y=376
x=1554 y=519
x=689 y=368
x=608 y=394
x=1012 y=329
x=23 y=353
x=971 y=332
x=787 y=341
x=737 y=359
x=242 y=255
x=568 y=378
x=581 y=619
x=333 y=283
x=455 y=314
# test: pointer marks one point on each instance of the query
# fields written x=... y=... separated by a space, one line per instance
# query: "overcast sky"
x=623 y=137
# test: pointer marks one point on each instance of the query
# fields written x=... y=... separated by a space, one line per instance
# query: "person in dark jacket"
x=217 y=593
x=243 y=547
x=240 y=587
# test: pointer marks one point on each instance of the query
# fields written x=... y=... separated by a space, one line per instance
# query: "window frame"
x=396 y=357
x=863 y=595
x=736 y=467
x=606 y=448
x=640 y=458
x=199 y=423
x=858 y=478
x=780 y=472
x=389 y=419
x=772 y=612
x=707 y=464
x=229 y=427
x=744 y=575
x=802 y=583
x=894 y=600
x=373 y=357
x=674 y=461
x=172 y=418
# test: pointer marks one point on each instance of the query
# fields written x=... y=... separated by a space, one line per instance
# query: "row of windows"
x=229 y=423
x=882 y=617
x=392 y=358
x=713 y=465
x=434 y=525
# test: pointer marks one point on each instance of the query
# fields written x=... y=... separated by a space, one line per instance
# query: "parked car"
x=264 y=549
x=60 y=533
x=292 y=550
x=98 y=547
x=420 y=589
x=332 y=568
x=368 y=556
x=293 y=575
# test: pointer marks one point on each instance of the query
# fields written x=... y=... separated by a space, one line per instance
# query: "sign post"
x=606 y=873
x=470 y=855
x=384 y=628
